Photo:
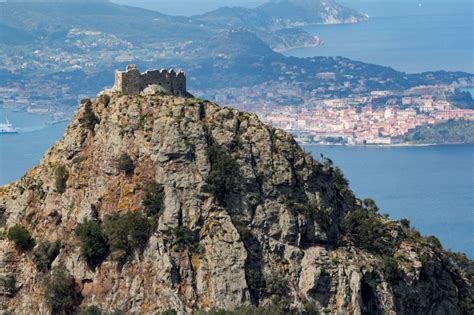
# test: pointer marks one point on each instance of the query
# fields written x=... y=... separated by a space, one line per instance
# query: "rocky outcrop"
x=247 y=218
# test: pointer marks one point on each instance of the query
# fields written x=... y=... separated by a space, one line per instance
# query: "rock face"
x=267 y=224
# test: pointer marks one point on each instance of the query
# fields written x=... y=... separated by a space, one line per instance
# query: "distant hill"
x=283 y=14
x=443 y=133
x=275 y=21
x=10 y=35
x=56 y=1
x=53 y=19
x=297 y=12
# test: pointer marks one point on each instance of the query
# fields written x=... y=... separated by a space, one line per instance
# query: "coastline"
x=282 y=50
x=398 y=145
x=316 y=37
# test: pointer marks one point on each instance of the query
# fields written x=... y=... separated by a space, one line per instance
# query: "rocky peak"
x=160 y=202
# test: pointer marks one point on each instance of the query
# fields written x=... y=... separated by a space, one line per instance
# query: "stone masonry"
x=132 y=82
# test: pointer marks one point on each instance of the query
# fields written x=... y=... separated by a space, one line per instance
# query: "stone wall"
x=133 y=82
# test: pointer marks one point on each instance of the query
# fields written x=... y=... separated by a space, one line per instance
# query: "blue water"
x=470 y=90
x=19 y=152
x=431 y=186
x=24 y=122
x=401 y=34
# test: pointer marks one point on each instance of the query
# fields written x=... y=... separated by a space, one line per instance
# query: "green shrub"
x=104 y=99
x=60 y=179
x=94 y=247
x=461 y=261
x=365 y=229
x=433 y=240
x=44 y=255
x=371 y=205
x=3 y=217
x=126 y=233
x=221 y=180
x=311 y=308
x=116 y=231
x=391 y=268
x=21 y=237
x=8 y=284
x=276 y=284
x=405 y=223
x=153 y=199
x=139 y=230
x=169 y=312
x=91 y=310
x=61 y=292
x=185 y=238
x=55 y=217
x=125 y=164
x=247 y=310
x=341 y=181
x=88 y=119
x=313 y=211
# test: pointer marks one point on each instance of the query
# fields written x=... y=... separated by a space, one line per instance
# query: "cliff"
x=150 y=203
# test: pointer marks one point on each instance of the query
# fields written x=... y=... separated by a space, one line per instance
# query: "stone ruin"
x=132 y=82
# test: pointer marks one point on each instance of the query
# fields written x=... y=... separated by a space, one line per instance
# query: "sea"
x=20 y=152
x=432 y=186
x=407 y=35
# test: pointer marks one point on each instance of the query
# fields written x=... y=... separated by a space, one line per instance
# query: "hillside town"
x=378 y=118
x=337 y=121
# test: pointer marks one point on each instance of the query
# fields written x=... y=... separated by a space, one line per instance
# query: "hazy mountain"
x=57 y=1
x=283 y=14
x=300 y=12
x=274 y=22
x=53 y=19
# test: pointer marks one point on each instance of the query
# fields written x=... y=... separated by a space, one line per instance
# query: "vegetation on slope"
x=453 y=131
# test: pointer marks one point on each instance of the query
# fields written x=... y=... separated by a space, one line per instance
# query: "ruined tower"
x=131 y=81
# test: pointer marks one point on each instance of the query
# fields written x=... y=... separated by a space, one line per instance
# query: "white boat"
x=7 y=128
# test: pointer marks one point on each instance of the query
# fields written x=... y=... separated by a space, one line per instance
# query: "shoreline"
x=399 y=145
x=297 y=47
x=320 y=42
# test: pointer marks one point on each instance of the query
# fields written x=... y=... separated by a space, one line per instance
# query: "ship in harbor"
x=7 y=128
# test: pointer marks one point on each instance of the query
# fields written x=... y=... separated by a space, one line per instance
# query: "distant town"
x=377 y=118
